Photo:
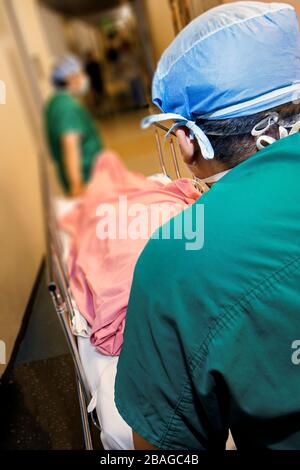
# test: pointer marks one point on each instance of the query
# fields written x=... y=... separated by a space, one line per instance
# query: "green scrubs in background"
x=65 y=114
x=210 y=334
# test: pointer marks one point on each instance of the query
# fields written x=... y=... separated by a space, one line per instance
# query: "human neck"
x=203 y=169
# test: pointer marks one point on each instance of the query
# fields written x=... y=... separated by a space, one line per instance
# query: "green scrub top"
x=65 y=114
x=210 y=333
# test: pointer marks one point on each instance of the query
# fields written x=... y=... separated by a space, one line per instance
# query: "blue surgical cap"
x=67 y=66
x=235 y=60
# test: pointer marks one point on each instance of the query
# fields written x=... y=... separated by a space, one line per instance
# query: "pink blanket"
x=101 y=268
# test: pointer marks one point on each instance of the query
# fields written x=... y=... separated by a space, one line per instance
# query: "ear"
x=188 y=147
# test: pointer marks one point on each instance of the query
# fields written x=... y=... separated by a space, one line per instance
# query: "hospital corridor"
x=150 y=232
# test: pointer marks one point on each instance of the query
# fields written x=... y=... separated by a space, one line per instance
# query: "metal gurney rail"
x=61 y=296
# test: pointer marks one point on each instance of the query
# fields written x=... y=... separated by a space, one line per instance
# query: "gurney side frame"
x=60 y=293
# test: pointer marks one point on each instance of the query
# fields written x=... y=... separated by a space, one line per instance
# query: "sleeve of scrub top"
x=68 y=119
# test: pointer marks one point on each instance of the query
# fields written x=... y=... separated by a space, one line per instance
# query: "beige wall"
x=21 y=235
x=39 y=50
x=199 y=6
x=44 y=36
x=160 y=25
x=53 y=30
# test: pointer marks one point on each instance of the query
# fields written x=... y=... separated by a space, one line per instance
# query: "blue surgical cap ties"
x=195 y=131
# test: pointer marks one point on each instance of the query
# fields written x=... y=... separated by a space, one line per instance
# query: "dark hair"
x=59 y=83
x=231 y=138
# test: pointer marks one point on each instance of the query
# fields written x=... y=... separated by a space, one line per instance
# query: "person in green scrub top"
x=73 y=138
x=212 y=334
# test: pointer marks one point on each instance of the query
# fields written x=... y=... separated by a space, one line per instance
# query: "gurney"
x=95 y=372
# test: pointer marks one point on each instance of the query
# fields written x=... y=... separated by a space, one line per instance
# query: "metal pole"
x=65 y=324
x=176 y=24
x=84 y=418
x=174 y=156
x=160 y=153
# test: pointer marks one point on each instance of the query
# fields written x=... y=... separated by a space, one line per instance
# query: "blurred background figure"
x=94 y=72
x=73 y=138
x=132 y=73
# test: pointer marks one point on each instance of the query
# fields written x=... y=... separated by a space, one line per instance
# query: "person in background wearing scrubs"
x=211 y=333
x=73 y=138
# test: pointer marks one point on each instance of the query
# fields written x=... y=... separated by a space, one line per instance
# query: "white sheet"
x=101 y=373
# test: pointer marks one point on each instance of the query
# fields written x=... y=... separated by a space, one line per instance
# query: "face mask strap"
x=283 y=132
x=265 y=140
x=264 y=125
x=295 y=128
